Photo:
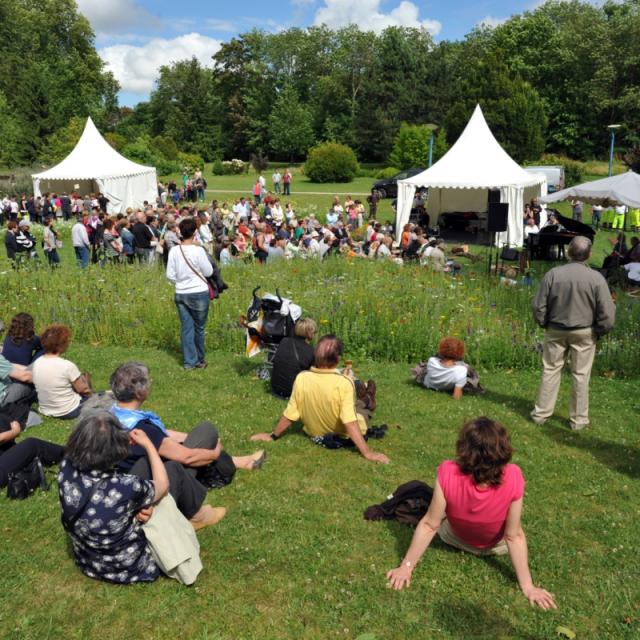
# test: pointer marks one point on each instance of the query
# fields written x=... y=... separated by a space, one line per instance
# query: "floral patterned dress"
x=108 y=541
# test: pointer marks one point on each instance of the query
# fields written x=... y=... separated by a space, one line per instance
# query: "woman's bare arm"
x=426 y=529
x=517 y=545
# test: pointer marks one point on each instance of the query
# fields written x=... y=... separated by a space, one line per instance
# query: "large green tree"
x=186 y=108
x=50 y=70
x=290 y=126
x=512 y=108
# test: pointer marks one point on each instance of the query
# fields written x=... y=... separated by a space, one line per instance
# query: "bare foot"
x=207 y=516
x=249 y=463
x=258 y=458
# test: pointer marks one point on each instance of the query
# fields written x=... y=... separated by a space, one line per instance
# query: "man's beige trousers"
x=581 y=346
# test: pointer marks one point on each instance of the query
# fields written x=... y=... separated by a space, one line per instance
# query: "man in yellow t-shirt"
x=324 y=401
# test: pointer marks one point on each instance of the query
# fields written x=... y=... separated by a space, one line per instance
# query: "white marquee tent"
x=460 y=180
x=622 y=189
x=95 y=166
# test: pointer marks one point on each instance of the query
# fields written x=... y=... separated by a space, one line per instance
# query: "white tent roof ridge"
x=93 y=157
x=475 y=161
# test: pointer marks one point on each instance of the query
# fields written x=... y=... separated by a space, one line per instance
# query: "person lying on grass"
x=195 y=461
x=324 y=400
x=476 y=507
x=447 y=371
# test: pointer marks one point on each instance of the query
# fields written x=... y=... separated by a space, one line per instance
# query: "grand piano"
x=550 y=242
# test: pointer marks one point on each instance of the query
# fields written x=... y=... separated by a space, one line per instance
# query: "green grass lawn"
x=301 y=184
x=295 y=559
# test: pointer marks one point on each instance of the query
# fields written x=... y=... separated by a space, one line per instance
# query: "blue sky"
x=135 y=37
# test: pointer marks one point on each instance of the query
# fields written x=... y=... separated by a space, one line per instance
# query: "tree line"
x=549 y=80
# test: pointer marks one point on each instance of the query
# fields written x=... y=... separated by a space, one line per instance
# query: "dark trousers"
x=184 y=487
x=17 y=402
x=17 y=455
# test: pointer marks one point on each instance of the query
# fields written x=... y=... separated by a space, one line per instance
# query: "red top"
x=477 y=515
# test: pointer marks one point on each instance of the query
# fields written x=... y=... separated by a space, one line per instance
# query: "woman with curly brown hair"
x=60 y=386
x=476 y=507
x=21 y=344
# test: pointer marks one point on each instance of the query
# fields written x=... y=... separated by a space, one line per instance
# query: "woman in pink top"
x=476 y=507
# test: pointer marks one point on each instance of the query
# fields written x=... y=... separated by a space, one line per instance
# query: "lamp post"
x=612 y=128
x=433 y=128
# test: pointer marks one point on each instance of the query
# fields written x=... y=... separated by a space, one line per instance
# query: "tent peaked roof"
x=93 y=157
x=623 y=188
x=475 y=161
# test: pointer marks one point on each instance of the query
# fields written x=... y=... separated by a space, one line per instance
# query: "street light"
x=433 y=128
x=612 y=128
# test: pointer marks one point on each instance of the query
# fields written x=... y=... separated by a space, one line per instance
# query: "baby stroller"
x=269 y=319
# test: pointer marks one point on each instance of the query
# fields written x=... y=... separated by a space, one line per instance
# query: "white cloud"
x=136 y=67
x=367 y=15
x=110 y=16
x=221 y=25
x=490 y=21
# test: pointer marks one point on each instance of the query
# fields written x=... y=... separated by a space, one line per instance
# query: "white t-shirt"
x=383 y=251
x=530 y=229
x=634 y=271
x=52 y=377
x=183 y=276
x=443 y=378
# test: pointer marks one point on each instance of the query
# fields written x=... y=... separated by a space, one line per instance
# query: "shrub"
x=142 y=150
x=573 y=170
x=331 y=162
x=259 y=162
x=191 y=161
x=165 y=146
x=217 y=168
x=386 y=173
x=234 y=167
x=632 y=158
x=411 y=146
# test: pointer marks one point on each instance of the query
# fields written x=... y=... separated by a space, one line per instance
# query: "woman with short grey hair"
x=195 y=460
x=103 y=507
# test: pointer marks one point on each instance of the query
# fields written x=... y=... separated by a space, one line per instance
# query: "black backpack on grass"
x=408 y=504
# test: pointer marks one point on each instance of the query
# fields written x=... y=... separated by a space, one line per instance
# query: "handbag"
x=212 y=290
x=21 y=484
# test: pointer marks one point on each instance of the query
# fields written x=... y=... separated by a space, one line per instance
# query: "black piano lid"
x=579 y=228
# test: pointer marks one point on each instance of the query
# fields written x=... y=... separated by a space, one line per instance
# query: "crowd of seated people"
x=120 y=461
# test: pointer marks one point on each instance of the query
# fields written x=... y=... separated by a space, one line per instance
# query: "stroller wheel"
x=264 y=373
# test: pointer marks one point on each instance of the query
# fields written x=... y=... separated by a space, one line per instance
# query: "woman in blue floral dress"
x=102 y=508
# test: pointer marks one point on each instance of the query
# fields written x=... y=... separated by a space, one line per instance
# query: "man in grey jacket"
x=575 y=307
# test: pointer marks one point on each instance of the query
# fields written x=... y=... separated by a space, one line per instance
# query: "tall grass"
x=382 y=311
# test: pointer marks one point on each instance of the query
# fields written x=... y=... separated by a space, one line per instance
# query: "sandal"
x=259 y=462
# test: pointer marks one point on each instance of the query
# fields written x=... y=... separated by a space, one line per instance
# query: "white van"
x=554 y=174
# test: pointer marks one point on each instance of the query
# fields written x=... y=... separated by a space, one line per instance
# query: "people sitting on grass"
x=16 y=391
x=324 y=400
x=60 y=385
x=293 y=355
x=447 y=370
x=194 y=461
x=103 y=507
x=21 y=344
x=477 y=507
x=15 y=456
